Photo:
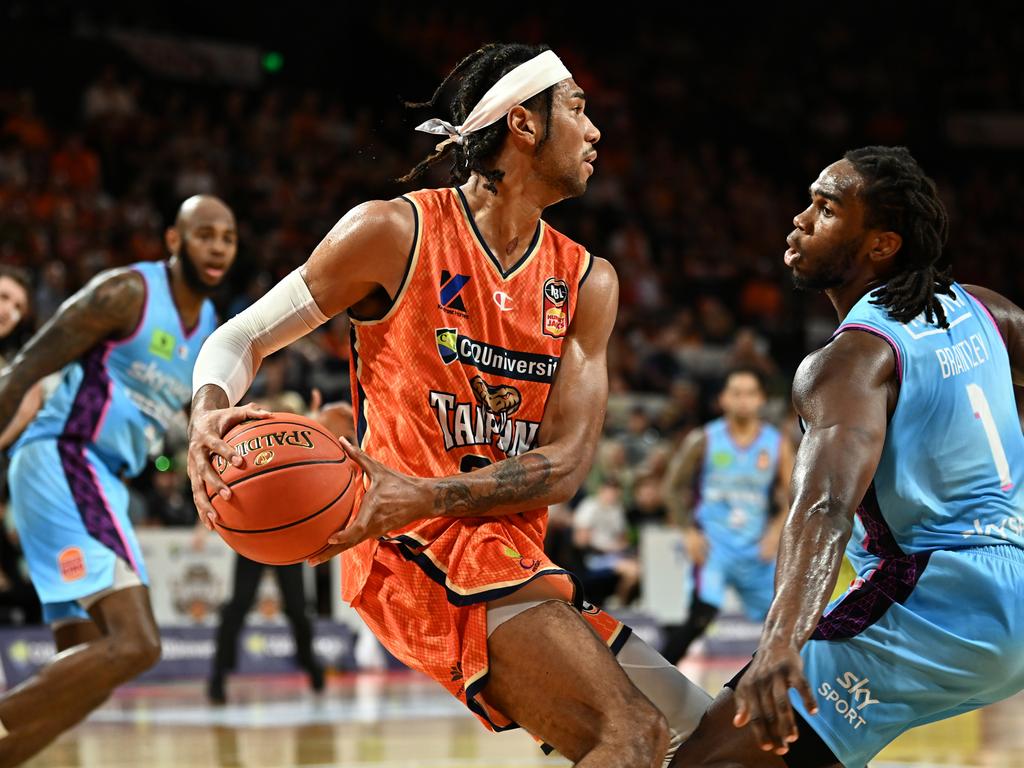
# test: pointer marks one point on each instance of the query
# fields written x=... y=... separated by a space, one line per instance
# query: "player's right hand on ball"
x=392 y=501
x=206 y=430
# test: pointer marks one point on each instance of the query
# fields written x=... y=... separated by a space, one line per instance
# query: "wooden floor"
x=402 y=720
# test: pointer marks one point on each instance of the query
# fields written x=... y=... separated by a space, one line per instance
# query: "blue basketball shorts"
x=745 y=571
x=71 y=514
x=923 y=638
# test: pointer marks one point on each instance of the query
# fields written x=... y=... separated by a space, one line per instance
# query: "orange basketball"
x=295 y=488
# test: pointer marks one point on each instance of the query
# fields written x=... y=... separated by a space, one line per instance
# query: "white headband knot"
x=522 y=83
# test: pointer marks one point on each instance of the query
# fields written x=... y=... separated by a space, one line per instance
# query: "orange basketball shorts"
x=427 y=604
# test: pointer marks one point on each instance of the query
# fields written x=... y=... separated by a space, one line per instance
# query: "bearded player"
x=126 y=343
x=480 y=379
x=914 y=446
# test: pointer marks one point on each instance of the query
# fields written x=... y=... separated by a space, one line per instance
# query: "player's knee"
x=137 y=653
x=658 y=734
x=648 y=727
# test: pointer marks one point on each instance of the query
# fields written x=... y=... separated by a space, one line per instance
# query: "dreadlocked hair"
x=898 y=197
x=476 y=74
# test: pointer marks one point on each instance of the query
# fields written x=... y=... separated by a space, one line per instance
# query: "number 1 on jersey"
x=981 y=411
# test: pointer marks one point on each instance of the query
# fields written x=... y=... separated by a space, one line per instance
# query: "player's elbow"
x=564 y=477
x=832 y=511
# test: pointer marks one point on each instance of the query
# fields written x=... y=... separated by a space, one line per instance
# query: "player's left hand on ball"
x=762 y=697
x=392 y=501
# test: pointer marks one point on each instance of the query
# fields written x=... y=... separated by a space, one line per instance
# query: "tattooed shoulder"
x=115 y=299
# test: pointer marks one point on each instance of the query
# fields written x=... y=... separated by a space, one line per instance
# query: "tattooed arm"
x=680 y=477
x=569 y=432
x=680 y=496
x=108 y=307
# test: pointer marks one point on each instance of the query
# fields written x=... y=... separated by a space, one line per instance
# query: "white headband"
x=522 y=83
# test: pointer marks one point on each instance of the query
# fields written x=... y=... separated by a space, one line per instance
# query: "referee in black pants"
x=232 y=616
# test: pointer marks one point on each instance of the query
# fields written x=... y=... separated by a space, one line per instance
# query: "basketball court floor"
x=401 y=720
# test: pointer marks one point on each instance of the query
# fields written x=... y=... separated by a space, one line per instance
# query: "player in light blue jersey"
x=911 y=425
x=126 y=344
x=725 y=488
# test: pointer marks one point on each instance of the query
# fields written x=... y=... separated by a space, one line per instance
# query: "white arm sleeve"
x=233 y=353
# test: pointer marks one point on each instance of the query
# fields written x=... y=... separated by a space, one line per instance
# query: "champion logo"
x=503 y=300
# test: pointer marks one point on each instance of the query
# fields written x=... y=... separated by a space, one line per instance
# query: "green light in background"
x=273 y=61
x=162 y=463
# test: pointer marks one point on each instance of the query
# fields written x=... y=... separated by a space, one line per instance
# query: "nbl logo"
x=556 y=291
x=555 y=316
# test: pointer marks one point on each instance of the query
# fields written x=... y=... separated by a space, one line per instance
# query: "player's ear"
x=884 y=246
x=522 y=125
x=172 y=239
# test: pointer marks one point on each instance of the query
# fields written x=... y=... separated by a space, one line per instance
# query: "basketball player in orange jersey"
x=480 y=379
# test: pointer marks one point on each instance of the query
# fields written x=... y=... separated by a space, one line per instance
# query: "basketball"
x=295 y=488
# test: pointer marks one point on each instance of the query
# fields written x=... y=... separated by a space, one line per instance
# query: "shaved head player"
x=479 y=341
x=126 y=343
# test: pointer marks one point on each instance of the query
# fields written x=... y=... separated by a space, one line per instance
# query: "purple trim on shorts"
x=984 y=309
x=891 y=582
x=97 y=517
x=87 y=413
x=880 y=334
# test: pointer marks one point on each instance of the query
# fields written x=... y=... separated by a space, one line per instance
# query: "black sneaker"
x=215 y=690
x=316 y=678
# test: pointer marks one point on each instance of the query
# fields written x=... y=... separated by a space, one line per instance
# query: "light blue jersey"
x=934 y=624
x=68 y=497
x=736 y=501
x=952 y=467
x=736 y=486
x=120 y=397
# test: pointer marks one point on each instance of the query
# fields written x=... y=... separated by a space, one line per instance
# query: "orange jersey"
x=456 y=375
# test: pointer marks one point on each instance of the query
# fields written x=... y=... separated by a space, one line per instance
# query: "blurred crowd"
x=704 y=160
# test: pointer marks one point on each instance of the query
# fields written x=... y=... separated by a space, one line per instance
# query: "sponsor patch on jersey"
x=162 y=344
x=71 y=562
x=721 y=459
x=764 y=460
x=450 y=288
x=555 y=316
x=488 y=358
x=447 y=344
